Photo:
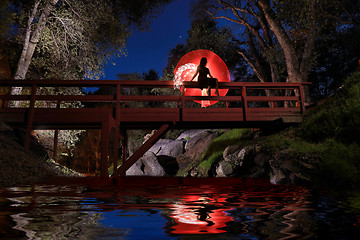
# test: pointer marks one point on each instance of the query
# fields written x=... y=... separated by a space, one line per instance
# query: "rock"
x=199 y=138
x=194 y=173
x=260 y=159
x=172 y=149
x=152 y=166
x=198 y=146
x=225 y=169
x=158 y=145
x=190 y=134
x=169 y=164
x=230 y=153
x=258 y=172
x=277 y=176
x=238 y=156
x=136 y=169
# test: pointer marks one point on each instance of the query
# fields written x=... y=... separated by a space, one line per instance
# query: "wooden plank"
x=274 y=110
x=142 y=150
x=15 y=97
x=214 y=98
x=149 y=114
x=149 y=98
x=271 y=98
x=212 y=114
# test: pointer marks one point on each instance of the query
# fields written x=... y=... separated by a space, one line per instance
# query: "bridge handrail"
x=118 y=97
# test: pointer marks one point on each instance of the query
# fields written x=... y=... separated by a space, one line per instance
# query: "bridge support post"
x=104 y=149
x=106 y=126
x=142 y=150
x=30 y=117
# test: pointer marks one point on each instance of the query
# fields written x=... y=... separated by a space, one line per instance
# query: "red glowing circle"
x=186 y=68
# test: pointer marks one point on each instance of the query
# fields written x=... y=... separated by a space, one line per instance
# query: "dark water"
x=171 y=208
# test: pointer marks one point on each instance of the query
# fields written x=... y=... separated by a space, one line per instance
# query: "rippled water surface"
x=171 y=208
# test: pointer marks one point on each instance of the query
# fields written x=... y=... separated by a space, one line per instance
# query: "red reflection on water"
x=200 y=220
x=186 y=67
x=357 y=224
x=197 y=205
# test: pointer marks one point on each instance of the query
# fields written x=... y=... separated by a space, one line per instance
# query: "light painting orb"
x=186 y=68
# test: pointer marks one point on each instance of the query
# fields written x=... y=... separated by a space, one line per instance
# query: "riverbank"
x=20 y=167
x=323 y=151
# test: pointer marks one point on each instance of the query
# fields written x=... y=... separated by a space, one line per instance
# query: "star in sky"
x=149 y=50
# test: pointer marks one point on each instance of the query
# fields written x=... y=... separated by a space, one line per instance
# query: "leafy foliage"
x=78 y=37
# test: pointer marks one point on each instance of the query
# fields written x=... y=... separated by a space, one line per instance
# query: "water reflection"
x=163 y=208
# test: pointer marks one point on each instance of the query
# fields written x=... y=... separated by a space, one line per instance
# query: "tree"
x=281 y=32
x=76 y=36
x=337 y=52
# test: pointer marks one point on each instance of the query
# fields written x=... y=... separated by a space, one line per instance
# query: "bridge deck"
x=245 y=105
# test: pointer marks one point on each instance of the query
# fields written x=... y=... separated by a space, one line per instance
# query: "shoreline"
x=19 y=167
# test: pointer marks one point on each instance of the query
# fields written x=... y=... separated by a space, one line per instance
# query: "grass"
x=330 y=132
x=338 y=117
x=215 y=151
x=335 y=127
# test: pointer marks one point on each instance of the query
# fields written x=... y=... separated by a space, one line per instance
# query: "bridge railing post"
x=245 y=103
x=182 y=89
x=301 y=98
x=56 y=136
x=30 y=117
x=117 y=122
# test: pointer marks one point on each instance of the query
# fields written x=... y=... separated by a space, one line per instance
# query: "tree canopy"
x=72 y=39
x=278 y=38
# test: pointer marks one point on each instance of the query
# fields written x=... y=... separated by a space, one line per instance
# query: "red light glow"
x=200 y=220
x=186 y=68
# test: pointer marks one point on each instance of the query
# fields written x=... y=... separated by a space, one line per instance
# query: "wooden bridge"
x=247 y=104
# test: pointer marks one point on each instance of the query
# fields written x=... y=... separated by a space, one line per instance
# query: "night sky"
x=149 y=50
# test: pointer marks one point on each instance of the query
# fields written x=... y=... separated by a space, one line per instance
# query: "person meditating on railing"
x=203 y=80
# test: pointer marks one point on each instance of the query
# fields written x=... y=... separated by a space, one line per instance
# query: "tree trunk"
x=31 y=40
x=292 y=63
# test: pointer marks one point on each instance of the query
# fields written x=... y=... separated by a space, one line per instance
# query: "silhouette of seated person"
x=203 y=80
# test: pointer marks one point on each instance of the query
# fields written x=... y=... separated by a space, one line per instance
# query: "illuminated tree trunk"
x=296 y=70
x=32 y=37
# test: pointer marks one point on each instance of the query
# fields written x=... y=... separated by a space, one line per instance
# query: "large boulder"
x=169 y=164
x=186 y=135
x=225 y=169
x=201 y=139
x=136 y=169
x=147 y=165
x=195 y=148
x=151 y=165
x=159 y=145
x=172 y=149
x=234 y=154
x=240 y=156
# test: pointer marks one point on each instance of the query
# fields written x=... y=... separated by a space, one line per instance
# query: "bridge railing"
x=249 y=98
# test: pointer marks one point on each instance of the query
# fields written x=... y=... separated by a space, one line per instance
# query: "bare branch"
x=252 y=65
